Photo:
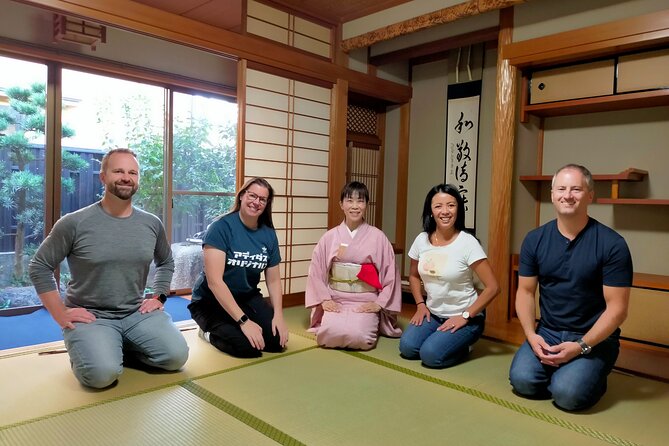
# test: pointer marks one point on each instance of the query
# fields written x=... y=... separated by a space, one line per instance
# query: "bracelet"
x=421 y=302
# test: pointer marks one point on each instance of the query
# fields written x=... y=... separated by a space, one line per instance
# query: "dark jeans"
x=225 y=333
x=576 y=385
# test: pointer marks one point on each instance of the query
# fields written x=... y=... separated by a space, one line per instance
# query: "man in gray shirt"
x=109 y=247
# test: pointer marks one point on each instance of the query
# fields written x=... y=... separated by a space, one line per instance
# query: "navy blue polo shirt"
x=571 y=273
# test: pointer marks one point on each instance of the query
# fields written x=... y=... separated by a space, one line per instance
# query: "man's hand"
x=72 y=315
x=149 y=305
x=553 y=355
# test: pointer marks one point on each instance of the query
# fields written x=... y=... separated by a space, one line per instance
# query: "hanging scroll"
x=462 y=132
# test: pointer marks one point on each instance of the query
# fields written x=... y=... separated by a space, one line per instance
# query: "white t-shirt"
x=446 y=272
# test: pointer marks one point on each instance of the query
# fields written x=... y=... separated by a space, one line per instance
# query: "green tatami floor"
x=313 y=396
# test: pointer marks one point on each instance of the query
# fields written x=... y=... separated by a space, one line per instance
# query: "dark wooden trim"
x=338 y=152
x=363 y=138
x=293 y=300
x=381 y=170
x=242 y=68
x=402 y=178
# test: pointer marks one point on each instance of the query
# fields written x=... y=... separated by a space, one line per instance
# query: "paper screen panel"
x=290 y=148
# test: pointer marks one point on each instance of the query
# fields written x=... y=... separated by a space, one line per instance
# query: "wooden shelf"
x=622 y=101
x=631 y=174
x=652 y=281
x=646 y=201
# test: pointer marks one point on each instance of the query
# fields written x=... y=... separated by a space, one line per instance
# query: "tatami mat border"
x=241 y=415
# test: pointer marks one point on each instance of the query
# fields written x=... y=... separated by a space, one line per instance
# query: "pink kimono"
x=347 y=328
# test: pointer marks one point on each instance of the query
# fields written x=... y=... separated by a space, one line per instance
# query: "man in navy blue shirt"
x=584 y=273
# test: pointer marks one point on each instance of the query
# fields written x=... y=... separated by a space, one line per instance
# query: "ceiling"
x=227 y=14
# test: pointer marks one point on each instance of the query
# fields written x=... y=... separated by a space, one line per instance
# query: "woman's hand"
x=421 y=313
x=253 y=333
x=331 y=305
x=279 y=327
x=368 y=307
x=453 y=324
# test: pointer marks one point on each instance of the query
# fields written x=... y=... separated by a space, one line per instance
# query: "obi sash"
x=354 y=278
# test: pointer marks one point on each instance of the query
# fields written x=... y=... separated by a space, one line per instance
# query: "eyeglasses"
x=253 y=197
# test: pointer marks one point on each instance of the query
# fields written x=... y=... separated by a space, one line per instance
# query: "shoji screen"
x=286 y=141
x=282 y=27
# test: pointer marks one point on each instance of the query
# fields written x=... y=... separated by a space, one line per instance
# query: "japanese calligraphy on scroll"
x=462 y=143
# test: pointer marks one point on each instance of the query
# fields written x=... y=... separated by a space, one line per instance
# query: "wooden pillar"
x=242 y=67
x=499 y=233
x=402 y=179
x=337 y=171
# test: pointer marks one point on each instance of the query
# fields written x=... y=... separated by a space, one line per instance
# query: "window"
x=99 y=113
x=22 y=152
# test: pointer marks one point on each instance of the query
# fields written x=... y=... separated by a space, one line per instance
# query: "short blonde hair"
x=105 y=158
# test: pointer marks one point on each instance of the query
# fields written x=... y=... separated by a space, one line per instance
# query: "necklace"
x=443 y=242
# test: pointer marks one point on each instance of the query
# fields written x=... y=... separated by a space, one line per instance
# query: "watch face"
x=465 y=314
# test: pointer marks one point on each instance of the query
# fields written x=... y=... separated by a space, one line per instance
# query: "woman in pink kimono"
x=353 y=288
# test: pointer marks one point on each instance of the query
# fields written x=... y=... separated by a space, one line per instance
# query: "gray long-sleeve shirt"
x=109 y=259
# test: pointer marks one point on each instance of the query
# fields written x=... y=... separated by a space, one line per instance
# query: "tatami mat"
x=314 y=396
x=332 y=398
x=172 y=416
x=48 y=377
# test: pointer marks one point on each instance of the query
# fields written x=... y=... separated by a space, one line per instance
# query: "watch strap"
x=585 y=348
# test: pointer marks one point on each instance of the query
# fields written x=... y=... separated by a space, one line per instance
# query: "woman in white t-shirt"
x=445 y=257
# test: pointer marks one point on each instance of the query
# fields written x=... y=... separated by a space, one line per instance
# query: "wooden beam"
x=146 y=20
x=499 y=232
x=450 y=14
x=436 y=47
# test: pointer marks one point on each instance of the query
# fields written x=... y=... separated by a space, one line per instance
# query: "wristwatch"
x=162 y=298
x=242 y=320
x=585 y=348
x=465 y=315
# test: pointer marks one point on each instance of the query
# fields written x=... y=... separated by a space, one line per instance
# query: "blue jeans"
x=96 y=349
x=576 y=385
x=440 y=349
